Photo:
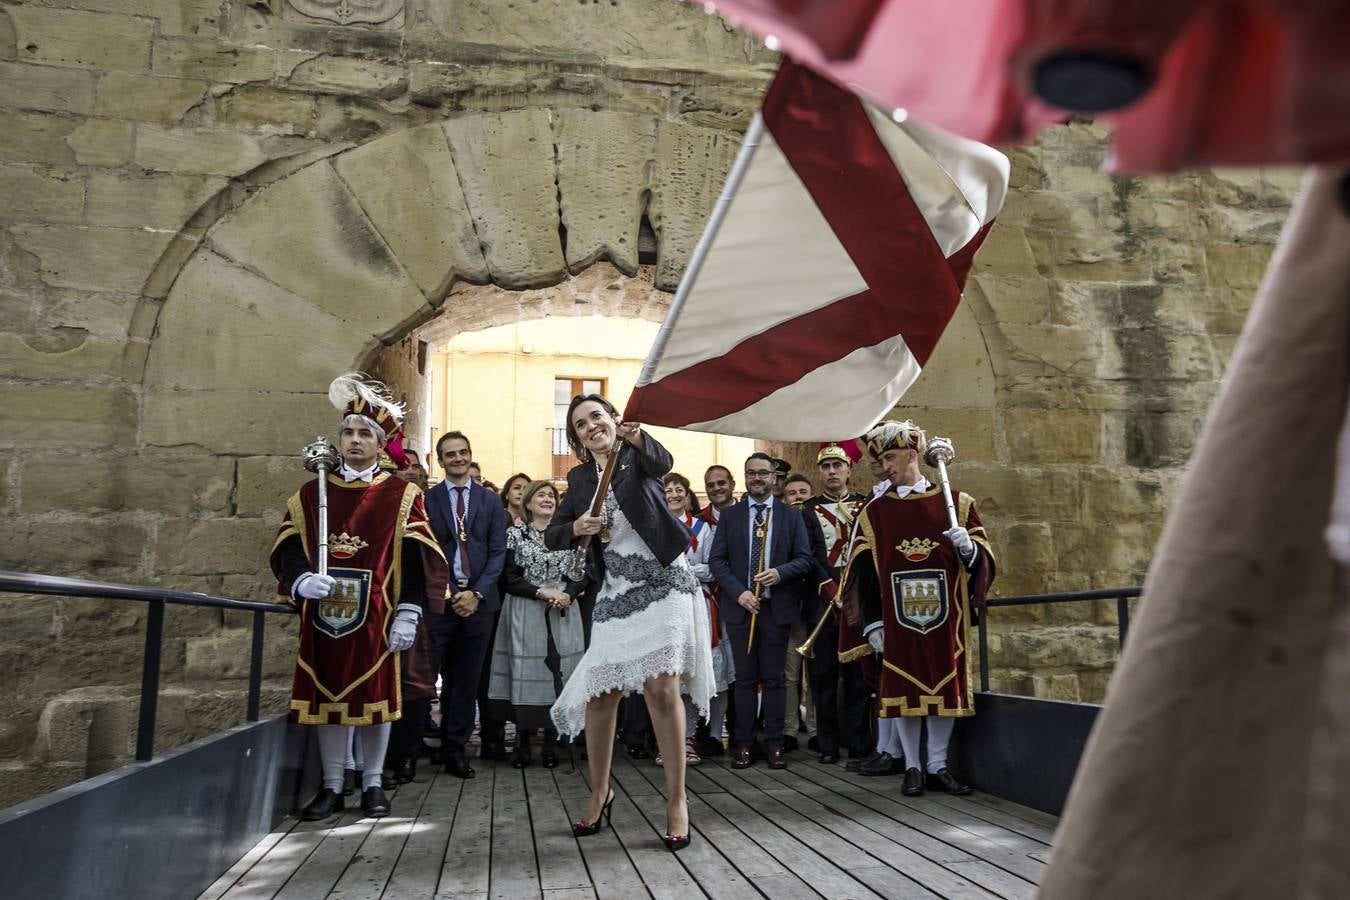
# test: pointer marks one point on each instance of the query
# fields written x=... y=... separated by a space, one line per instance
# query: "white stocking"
x=939 y=736
x=911 y=736
x=333 y=754
x=374 y=743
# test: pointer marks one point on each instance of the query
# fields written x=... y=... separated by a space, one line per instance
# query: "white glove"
x=876 y=637
x=960 y=538
x=314 y=586
x=403 y=630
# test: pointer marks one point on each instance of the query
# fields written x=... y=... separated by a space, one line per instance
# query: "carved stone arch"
x=319 y=270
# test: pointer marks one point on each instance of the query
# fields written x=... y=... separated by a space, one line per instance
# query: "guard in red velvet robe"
x=385 y=569
x=380 y=548
x=911 y=581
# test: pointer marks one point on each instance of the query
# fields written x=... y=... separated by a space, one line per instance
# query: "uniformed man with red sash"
x=911 y=580
x=841 y=715
x=385 y=568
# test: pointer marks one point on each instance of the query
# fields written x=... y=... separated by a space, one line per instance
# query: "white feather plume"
x=895 y=434
x=346 y=388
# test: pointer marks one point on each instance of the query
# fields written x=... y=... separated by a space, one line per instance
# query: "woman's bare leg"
x=667 y=710
x=602 y=715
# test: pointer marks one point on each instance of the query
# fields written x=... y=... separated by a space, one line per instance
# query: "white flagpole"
x=719 y=212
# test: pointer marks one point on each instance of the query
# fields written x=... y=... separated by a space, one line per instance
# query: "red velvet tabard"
x=345 y=673
x=926 y=595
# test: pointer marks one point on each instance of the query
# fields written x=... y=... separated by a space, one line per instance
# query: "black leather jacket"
x=641 y=495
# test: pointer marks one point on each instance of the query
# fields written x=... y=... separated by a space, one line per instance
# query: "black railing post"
x=154 y=642
x=984 y=650
x=255 y=667
x=1122 y=620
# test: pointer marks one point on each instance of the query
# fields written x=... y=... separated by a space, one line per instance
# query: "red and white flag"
x=835 y=258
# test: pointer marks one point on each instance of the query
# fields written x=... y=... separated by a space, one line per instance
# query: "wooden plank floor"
x=807 y=831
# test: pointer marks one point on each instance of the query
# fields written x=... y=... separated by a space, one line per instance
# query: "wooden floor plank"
x=886 y=848
x=226 y=881
x=1012 y=860
x=419 y=867
x=561 y=867
x=954 y=811
x=817 y=871
x=515 y=870
x=274 y=870
x=373 y=864
x=807 y=832
x=998 y=817
x=468 y=859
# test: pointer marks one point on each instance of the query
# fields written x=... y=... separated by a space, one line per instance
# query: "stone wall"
x=212 y=206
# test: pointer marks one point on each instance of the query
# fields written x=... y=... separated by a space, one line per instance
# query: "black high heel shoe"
x=677 y=842
x=586 y=829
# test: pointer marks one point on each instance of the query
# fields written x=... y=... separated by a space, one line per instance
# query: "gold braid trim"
x=303 y=716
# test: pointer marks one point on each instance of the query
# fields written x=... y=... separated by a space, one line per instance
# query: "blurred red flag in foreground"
x=1184 y=83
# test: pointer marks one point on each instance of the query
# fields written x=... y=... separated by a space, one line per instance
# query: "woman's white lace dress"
x=648 y=621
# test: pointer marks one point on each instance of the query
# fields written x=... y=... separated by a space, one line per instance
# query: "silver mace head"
x=319 y=454
x=940 y=450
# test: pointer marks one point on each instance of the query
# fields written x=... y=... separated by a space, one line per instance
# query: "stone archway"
x=322 y=268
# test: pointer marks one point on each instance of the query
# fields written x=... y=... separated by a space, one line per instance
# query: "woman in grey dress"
x=539 y=637
x=649 y=631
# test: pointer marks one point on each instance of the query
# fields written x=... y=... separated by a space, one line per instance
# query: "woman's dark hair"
x=506 y=488
x=677 y=478
x=573 y=439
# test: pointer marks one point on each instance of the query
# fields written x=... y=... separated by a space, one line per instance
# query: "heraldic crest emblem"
x=921 y=598
x=344 y=611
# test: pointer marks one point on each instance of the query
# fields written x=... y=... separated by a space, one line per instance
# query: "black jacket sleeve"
x=413 y=588
x=514 y=580
x=653 y=460
x=289 y=562
x=800 y=563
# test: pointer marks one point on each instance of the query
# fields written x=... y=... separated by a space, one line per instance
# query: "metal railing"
x=1122 y=596
x=157 y=599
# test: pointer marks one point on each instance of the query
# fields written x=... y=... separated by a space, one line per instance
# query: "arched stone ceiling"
x=348 y=253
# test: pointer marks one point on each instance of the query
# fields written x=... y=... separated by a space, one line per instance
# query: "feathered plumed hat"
x=355 y=394
x=895 y=435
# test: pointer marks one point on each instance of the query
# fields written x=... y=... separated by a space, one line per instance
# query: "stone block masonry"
x=212 y=206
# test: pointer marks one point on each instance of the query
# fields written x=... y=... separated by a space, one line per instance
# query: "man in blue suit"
x=759 y=556
x=470 y=524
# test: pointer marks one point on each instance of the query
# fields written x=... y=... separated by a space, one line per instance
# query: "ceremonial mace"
x=321 y=457
x=940 y=452
x=578 y=567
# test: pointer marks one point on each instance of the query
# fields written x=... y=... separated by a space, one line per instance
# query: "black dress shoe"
x=325 y=803
x=855 y=764
x=789 y=743
x=405 y=771
x=881 y=764
x=813 y=744
x=947 y=781
x=828 y=758
x=348 y=782
x=742 y=760
x=521 y=758
x=388 y=783
x=374 y=803
x=638 y=753
x=458 y=766
x=776 y=760
x=912 y=786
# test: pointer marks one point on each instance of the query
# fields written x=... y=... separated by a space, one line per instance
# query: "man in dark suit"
x=758 y=557
x=470 y=524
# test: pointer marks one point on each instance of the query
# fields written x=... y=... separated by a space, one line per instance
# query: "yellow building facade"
x=508 y=387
